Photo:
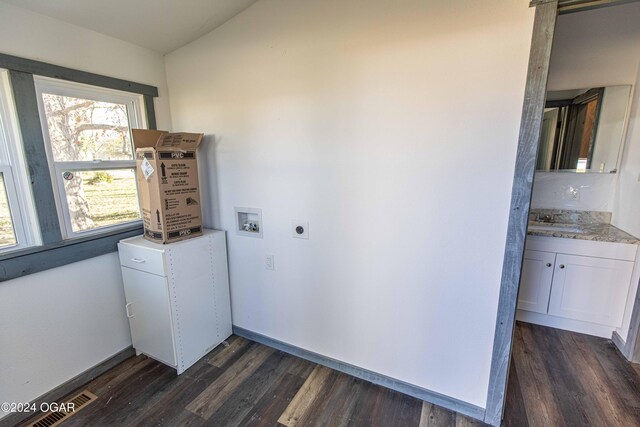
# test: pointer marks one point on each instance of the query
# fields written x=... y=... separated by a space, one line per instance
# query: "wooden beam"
x=528 y=142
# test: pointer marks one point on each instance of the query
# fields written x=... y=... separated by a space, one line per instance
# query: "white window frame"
x=137 y=119
x=13 y=167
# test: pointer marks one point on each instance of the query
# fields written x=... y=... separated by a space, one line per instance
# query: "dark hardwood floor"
x=557 y=378
x=561 y=378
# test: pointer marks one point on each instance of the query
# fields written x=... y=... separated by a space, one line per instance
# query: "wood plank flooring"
x=561 y=378
x=558 y=378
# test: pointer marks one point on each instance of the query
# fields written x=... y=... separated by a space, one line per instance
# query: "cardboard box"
x=168 y=188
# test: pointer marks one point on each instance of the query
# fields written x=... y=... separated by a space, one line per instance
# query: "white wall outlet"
x=300 y=229
x=269 y=262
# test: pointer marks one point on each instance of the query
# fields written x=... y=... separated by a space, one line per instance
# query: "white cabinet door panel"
x=590 y=289
x=149 y=314
x=535 y=283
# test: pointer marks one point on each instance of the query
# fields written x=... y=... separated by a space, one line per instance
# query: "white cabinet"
x=149 y=314
x=177 y=297
x=581 y=286
x=590 y=289
x=537 y=274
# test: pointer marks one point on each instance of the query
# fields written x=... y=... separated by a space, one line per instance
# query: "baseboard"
x=69 y=386
x=566 y=324
x=418 y=392
x=619 y=343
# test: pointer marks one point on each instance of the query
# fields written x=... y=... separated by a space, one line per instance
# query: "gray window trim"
x=49 y=70
x=54 y=251
x=24 y=93
x=40 y=258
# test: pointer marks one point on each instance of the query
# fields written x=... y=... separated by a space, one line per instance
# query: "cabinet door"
x=590 y=289
x=149 y=314
x=535 y=283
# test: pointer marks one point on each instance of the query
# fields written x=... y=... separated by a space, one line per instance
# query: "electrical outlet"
x=300 y=229
x=269 y=262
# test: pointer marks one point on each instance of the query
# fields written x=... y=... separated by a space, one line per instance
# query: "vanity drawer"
x=143 y=259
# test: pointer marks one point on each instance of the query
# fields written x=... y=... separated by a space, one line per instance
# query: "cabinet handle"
x=548 y=264
x=138 y=260
x=561 y=266
x=126 y=308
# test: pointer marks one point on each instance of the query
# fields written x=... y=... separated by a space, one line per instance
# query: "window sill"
x=23 y=262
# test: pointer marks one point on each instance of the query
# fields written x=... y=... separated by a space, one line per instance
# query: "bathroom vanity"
x=579 y=273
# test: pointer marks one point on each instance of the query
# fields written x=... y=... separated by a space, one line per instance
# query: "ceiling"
x=160 y=25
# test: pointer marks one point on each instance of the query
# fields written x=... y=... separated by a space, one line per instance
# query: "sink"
x=556 y=228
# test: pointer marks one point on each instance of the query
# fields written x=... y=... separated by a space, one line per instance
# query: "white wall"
x=33 y=36
x=56 y=324
x=595 y=48
x=391 y=127
x=554 y=190
x=627 y=200
x=611 y=127
x=591 y=49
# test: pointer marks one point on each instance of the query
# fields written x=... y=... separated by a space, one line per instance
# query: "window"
x=67 y=181
x=18 y=228
x=8 y=232
x=87 y=134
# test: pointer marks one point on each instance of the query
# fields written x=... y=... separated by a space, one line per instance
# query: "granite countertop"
x=581 y=225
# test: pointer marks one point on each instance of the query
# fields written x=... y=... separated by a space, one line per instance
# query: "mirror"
x=582 y=129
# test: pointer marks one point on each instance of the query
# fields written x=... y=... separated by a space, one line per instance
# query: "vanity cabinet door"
x=590 y=289
x=535 y=283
